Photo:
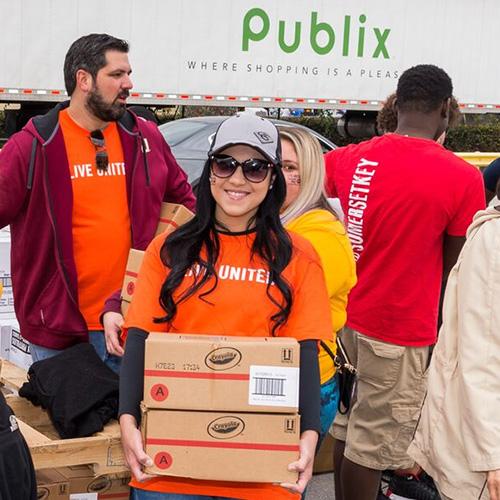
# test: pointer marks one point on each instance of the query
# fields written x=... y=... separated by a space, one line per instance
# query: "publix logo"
x=323 y=38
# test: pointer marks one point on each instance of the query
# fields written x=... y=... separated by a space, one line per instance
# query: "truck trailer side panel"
x=320 y=53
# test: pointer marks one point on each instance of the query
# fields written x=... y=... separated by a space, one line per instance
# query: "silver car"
x=190 y=140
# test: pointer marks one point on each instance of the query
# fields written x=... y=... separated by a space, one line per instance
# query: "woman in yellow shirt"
x=306 y=211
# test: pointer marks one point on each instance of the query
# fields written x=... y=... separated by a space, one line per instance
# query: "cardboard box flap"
x=216 y=339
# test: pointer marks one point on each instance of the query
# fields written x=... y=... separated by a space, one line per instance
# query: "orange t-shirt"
x=101 y=221
x=238 y=305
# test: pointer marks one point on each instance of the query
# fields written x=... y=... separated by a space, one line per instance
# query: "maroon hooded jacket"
x=36 y=199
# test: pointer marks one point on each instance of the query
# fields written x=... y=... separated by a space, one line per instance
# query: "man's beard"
x=102 y=110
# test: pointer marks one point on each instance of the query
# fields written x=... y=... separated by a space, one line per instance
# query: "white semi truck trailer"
x=333 y=54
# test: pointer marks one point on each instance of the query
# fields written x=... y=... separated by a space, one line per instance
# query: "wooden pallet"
x=11 y=376
x=103 y=451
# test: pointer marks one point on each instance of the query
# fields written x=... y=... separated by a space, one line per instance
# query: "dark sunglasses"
x=101 y=154
x=254 y=170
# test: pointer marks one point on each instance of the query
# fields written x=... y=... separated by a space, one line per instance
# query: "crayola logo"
x=42 y=493
x=226 y=427
x=223 y=358
x=99 y=485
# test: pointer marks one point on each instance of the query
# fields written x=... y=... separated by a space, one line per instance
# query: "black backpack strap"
x=31 y=167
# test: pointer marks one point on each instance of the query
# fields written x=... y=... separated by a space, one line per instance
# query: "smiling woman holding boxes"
x=180 y=289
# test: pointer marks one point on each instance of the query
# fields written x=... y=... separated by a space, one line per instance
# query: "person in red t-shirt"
x=407 y=203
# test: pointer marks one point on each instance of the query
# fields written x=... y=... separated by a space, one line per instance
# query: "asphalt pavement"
x=321 y=487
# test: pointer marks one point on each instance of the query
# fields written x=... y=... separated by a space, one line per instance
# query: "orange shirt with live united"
x=101 y=221
x=239 y=305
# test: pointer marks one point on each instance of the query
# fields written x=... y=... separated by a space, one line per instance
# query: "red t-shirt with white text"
x=400 y=196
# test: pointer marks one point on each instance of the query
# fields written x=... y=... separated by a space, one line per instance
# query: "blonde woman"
x=306 y=211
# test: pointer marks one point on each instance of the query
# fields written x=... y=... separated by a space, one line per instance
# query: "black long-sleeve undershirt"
x=132 y=374
x=132 y=380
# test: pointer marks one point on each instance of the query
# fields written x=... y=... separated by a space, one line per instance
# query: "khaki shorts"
x=390 y=392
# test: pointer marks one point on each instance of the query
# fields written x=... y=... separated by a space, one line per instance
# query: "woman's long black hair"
x=182 y=249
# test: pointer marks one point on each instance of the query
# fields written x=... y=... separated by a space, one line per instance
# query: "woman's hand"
x=133 y=449
x=113 y=323
x=494 y=484
x=304 y=465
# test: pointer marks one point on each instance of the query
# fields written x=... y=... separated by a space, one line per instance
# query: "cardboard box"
x=172 y=216
x=83 y=485
x=6 y=293
x=133 y=265
x=51 y=485
x=201 y=372
x=252 y=447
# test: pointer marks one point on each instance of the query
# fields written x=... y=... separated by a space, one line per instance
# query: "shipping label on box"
x=250 y=447
x=172 y=216
x=133 y=265
x=201 y=372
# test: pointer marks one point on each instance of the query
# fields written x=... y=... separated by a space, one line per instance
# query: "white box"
x=6 y=294
x=18 y=348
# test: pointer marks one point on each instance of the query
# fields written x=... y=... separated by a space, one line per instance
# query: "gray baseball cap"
x=251 y=130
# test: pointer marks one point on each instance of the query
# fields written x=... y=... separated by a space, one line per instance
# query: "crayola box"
x=209 y=373
x=253 y=447
x=133 y=265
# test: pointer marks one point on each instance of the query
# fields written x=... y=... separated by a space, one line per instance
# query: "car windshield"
x=177 y=131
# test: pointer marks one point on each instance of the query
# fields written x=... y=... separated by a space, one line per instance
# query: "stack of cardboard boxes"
x=221 y=408
x=12 y=346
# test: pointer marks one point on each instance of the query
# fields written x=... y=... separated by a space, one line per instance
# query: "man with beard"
x=79 y=187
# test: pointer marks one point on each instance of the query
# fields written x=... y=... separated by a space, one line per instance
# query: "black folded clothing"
x=77 y=389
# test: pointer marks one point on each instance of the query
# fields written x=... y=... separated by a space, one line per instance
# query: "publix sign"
x=323 y=38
